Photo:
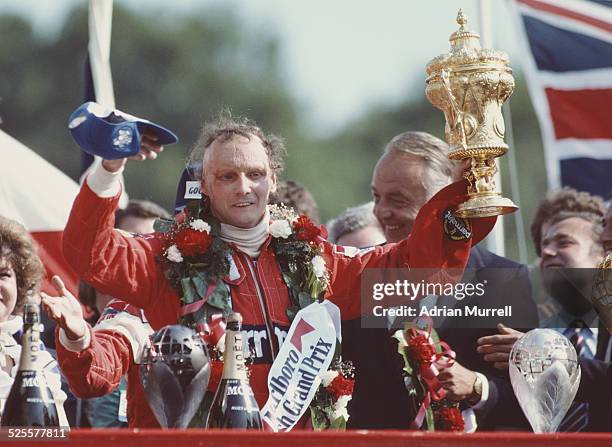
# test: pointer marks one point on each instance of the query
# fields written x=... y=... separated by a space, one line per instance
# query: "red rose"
x=420 y=349
x=192 y=242
x=216 y=370
x=448 y=419
x=305 y=229
x=340 y=386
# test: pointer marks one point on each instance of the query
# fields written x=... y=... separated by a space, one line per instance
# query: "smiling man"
x=412 y=169
x=239 y=165
x=404 y=180
x=567 y=232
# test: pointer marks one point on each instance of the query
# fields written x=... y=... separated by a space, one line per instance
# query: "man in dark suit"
x=412 y=169
x=570 y=239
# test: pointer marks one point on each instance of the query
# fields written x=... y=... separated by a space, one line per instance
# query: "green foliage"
x=175 y=70
x=190 y=293
x=319 y=418
x=338 y=424
x=220 y=299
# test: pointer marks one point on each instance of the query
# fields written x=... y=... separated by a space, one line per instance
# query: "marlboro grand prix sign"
x=294 y=378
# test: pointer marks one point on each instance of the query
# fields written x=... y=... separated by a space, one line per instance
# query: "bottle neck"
x=30 y=346
x=233 y=357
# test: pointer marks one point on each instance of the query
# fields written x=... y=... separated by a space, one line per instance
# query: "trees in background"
x=179 y=70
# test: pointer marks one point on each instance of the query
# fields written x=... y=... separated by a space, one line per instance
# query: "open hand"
x=496 y=348
x=65 y=310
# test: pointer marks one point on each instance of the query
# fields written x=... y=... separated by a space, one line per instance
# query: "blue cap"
x=112 y=134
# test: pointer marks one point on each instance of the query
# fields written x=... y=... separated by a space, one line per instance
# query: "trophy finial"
x=462 y=19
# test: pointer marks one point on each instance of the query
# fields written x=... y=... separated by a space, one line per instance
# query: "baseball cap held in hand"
x=112 y=134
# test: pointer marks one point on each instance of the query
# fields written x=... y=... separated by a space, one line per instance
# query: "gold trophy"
x=602 y=292
x=470 y=84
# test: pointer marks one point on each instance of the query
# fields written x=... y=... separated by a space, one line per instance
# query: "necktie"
x=577 y=417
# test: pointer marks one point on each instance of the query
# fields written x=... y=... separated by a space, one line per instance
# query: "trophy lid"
x=466 y=53
x=463 y=37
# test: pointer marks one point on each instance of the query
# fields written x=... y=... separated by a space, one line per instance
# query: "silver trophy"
x=175 y=371
x=545 y=375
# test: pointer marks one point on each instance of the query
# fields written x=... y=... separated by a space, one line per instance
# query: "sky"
x=340 y=56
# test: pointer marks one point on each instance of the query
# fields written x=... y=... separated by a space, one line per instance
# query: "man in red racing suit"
x=124 y=265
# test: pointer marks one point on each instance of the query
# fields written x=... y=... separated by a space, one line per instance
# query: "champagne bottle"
x=234 y=404
x=30 y=402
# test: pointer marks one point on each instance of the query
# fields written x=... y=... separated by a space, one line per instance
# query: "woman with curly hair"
x=20 y=273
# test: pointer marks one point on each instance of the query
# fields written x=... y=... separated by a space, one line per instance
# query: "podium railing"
x=360 y=438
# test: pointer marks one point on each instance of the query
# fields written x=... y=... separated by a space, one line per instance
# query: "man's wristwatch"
x=476 y=391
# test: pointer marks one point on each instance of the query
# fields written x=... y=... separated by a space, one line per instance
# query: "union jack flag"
x=568 y=66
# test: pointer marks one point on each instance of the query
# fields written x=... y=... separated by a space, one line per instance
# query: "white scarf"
x=248 y=240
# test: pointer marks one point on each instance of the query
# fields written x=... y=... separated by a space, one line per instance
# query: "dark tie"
x=577 y=417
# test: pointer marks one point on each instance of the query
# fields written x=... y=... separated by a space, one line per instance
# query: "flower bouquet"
x=424 y=356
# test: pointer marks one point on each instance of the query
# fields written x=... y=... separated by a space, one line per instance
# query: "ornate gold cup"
x=470 y=84
x=602 y=292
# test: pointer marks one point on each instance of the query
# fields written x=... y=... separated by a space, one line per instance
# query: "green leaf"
x=200 y=285
x=398 y=335
x=319 y=419
x=305 y=299
x=436 y=339
x=189 y=292
x=429 y=418
x=338 y=424
x=288 y=280
x=163 y=225
x=317 y=290
x=292 y=312
x=220 y=299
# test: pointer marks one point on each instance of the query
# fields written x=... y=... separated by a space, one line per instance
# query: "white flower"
x=340 y=408
x=318 y=266
x=200 y=225
x=280 y=211
x=280 y=228
x=174 y=254
x=328 y=377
